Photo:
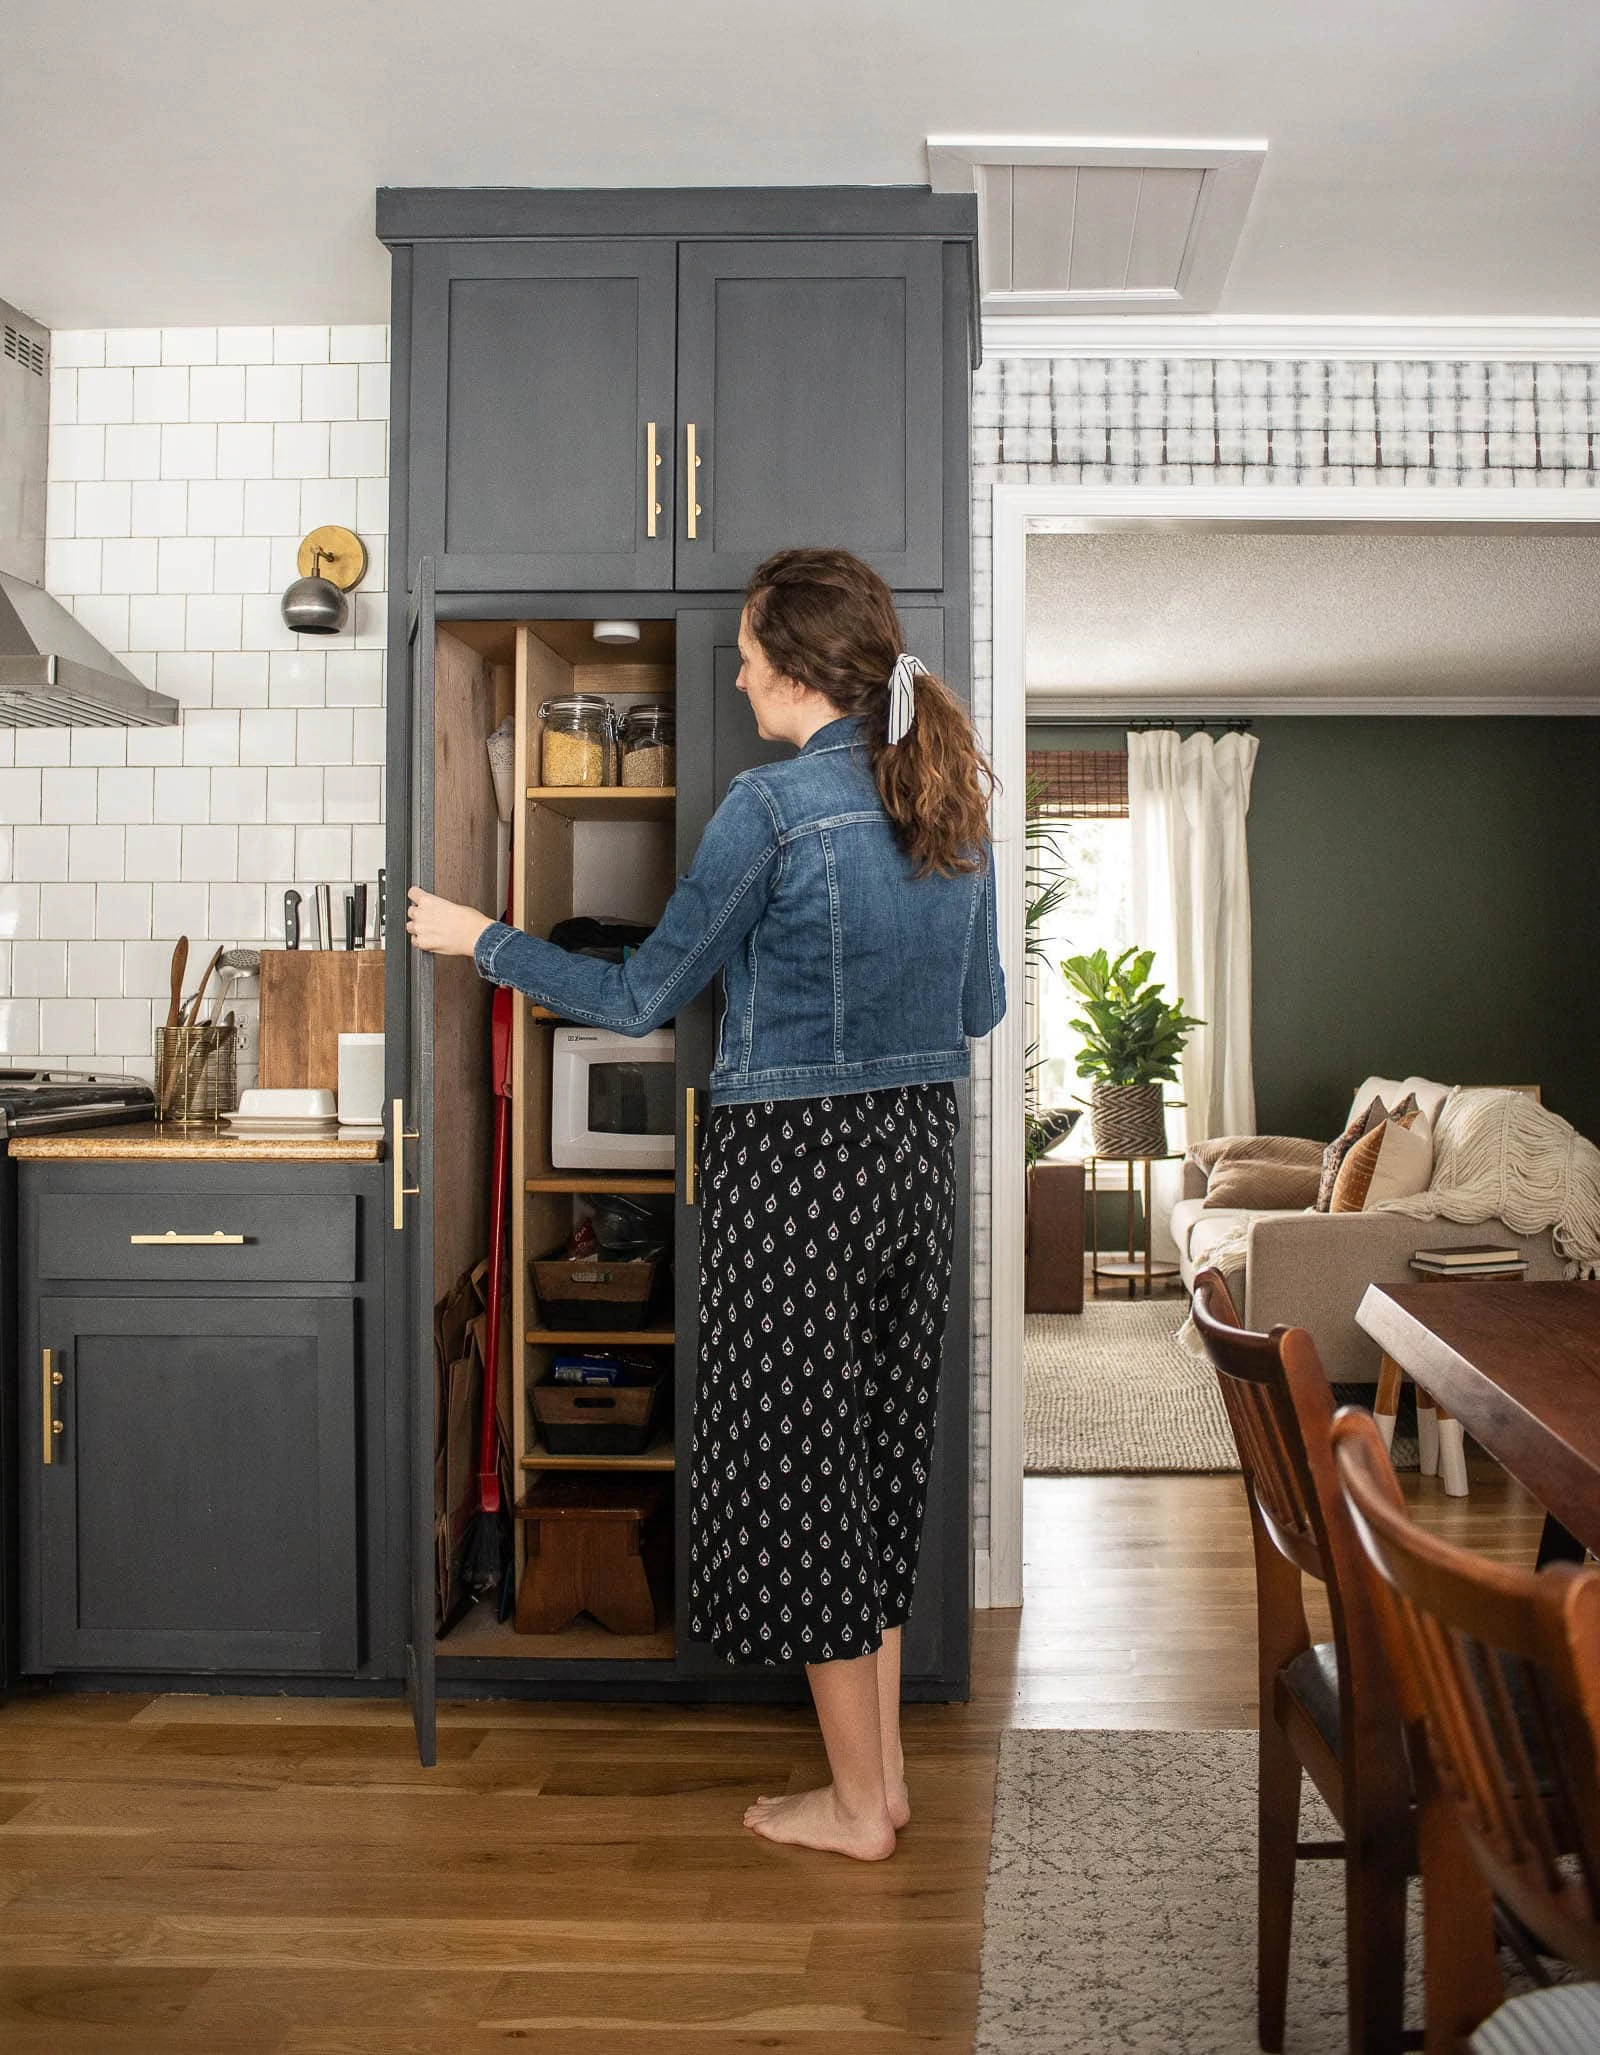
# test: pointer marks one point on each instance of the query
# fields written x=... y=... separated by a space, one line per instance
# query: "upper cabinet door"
x=810 y=377
x=541 y=385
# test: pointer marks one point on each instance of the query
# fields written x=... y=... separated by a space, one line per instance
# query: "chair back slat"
x=1498 y=1671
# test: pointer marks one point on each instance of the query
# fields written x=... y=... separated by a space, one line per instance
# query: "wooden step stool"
x=587 y=1553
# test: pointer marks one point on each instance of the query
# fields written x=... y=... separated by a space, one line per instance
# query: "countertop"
x=146 y=1143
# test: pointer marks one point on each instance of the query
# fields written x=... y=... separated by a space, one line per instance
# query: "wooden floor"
x=253 y=1877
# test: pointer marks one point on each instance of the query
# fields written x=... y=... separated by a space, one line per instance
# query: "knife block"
x=309 y=998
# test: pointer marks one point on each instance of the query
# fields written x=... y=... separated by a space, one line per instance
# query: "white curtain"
x=1190 y=900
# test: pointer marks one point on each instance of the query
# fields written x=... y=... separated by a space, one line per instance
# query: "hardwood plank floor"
x=279 y=1877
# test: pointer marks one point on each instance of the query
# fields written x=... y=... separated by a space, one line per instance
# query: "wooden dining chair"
x=1497 y=1671
x=1327 y=1710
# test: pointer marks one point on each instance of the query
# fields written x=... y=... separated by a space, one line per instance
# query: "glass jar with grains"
x=649 y=755
x=579 y=740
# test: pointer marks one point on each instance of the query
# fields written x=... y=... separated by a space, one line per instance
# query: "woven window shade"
x=1078 y=784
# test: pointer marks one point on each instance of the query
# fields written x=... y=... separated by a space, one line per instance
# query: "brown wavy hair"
x=827 y=620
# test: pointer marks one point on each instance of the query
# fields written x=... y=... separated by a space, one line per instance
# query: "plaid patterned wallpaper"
x=1194 y=421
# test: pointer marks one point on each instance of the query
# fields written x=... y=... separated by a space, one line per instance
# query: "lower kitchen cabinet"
x=204 y=1446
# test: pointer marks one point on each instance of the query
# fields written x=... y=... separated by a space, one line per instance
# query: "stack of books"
x=1472 y=1259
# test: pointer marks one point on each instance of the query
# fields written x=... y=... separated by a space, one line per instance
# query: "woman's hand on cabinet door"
x=440 y=926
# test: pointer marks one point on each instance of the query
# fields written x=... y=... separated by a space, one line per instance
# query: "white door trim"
x=1021 y=511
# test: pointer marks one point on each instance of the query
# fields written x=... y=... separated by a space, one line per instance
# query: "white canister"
x=361 y=1080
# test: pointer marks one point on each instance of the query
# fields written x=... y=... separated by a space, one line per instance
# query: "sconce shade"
x=315 y=606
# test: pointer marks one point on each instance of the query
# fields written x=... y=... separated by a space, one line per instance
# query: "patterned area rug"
x=1111 y=1389
x=1120 y=1913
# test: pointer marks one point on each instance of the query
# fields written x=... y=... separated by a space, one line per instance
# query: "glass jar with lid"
x=649 y=752
x=579 y=740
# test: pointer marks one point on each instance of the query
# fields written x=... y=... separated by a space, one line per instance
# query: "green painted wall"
x=1425 y=896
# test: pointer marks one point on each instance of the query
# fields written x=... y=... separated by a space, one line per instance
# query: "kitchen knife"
x=361 y=914
x=291 y=920
x=324 y=916
x=349 y=922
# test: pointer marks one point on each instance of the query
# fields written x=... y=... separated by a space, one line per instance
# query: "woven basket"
x=1128 y=1120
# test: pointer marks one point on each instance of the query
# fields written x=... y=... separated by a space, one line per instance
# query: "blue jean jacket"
x=842 y=971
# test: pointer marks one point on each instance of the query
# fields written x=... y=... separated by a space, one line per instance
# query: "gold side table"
x=1134 y=1268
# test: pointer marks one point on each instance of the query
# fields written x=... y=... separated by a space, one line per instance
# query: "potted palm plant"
x=1133 y=1036
x=1047 y=883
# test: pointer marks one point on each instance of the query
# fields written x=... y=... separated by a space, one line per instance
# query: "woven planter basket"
x=1128 y=1120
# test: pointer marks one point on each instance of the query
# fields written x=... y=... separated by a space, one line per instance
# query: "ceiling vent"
x=1070 y=228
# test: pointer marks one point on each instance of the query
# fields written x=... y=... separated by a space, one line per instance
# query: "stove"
x=43 y=1101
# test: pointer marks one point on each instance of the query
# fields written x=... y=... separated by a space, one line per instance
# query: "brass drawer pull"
x=692 y=489
x=52 y=1426
x=399 y=1135
x=688 y=1145
x=652 y=462
x=173 y=1240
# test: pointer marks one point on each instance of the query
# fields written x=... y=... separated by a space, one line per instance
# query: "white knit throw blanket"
x=1502 y=1156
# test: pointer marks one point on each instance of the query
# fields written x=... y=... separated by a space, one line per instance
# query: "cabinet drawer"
x=289 y=1238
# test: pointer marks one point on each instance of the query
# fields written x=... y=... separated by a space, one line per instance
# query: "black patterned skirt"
x=825 y=1246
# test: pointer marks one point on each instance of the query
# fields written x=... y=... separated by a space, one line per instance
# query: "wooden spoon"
x=180 y=963
x=205 y=979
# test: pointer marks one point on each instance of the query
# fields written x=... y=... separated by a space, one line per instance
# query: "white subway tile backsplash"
x=189 y=450
x=186 y=675
x=66 y=1024
x=133 y=452
x=19 y=906
x=333 y=499
x=124 y=1027
x=105 y=615
x=242 y=563
x=217 y=393
x=21 y=796
x=72 y=566
x=368 y=855
x=239 y=678
x=161 y=393
x=272 y=392
x=155 y=745
x=325 y=736
x=147 y=970
x=94 y=969
x=244 y=449
x=211 y=737
x=160 y=507
x=292 y=794
x=210 y=855
x=264 y=625
x=354 y=677
x=296 y=677
x=104 y=396
x=300 y=345
x=244 y=345
x=213 y=621
x=300 y=448
x=125 y=794
x=185 y=563
x=78 y=346
x=328 y=392
x=372 y=508
x=323 y=854
x=133 y=346
x=216 y=506
x=155 y=621
x=188 y=346
x=121 y=910
x=368 y=728
x=42 y=746
x=68 y=911
x=60 y=508
x=358 y=449
x=373 y=393
x=238 y=912
x=105 y=508
x=183 y=794
x=239 y=793
x=39 y=969
x=95 y=853
x=266 y=734
x=128 y=564
x=98 y=746
x=272 y=506
x=77 y=452
x=350 y=792
x=180 y=910
x=63 y=394
x=358 y=345
x=19 y=1027
x=266 y=855
x=70 y=796
x=155 y=854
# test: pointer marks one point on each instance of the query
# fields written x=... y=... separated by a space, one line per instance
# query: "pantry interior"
x=607 y=851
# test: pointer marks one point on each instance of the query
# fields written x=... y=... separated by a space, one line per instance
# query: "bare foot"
x=894 y=1789
x=815 y=1819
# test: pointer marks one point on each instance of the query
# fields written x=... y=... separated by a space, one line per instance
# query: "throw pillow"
x=1260 y=1185
x=1361 y=1124
x=1255 y=1149
x=1394 y=1161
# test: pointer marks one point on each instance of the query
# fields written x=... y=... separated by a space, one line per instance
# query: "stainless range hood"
x=53 y=673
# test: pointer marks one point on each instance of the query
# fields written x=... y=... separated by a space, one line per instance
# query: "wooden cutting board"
x=309 y=998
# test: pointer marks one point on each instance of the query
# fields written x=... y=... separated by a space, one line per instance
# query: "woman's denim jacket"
x=843 y=971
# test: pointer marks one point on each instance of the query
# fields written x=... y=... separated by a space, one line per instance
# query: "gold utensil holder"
x=195 y=1073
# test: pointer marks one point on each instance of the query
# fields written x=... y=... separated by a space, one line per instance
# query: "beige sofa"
x=1311 y=1269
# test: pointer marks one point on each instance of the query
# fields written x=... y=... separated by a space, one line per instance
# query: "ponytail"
x=827 y=620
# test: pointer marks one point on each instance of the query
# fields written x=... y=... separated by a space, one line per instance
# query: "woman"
x=847 y=896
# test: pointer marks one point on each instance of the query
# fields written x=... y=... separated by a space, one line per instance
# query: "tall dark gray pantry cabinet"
x=615 y=404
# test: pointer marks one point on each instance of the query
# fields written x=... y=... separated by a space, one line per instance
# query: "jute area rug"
x=1120 y=1913
x=1111 y=1389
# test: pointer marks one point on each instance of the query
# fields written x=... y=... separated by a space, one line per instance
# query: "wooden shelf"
x=595 y=1337
x=480 y=1634
x=607 y=802
x=596 y=1181
x=663 y=1455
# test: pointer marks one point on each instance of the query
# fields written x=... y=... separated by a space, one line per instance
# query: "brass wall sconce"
x=332 y=561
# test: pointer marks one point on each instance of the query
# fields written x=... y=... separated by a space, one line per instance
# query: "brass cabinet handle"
x=400 y=1134
x=52 y=1378
x=692 y=489
x=652 y=463
x=688 y=1146
x=173 y=1240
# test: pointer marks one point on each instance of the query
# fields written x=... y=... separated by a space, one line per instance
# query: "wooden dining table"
x=1519 y=1367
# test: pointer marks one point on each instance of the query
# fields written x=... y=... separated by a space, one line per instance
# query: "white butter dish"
x=286 y=1103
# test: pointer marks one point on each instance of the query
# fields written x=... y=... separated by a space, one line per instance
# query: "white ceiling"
x=181 y=162
x=1220 y=620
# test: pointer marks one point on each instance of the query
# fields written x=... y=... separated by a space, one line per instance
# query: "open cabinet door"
x=408 y=1044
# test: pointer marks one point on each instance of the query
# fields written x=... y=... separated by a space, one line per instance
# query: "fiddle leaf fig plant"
x=1132 y=1033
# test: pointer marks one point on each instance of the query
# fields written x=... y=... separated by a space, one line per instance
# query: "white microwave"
x=613 y=1100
